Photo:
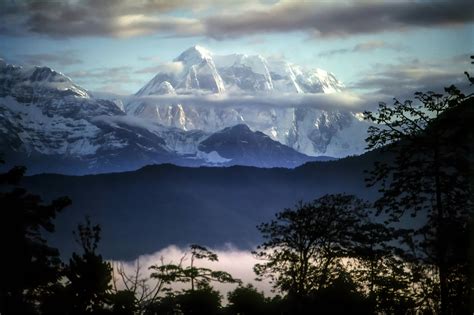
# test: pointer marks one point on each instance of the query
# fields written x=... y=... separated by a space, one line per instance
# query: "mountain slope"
x=201 y=70
x=241 y=146
x=200 y=90
x=145 y=210
x=50 y=124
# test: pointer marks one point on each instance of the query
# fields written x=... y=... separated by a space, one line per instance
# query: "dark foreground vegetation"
x=338 y=253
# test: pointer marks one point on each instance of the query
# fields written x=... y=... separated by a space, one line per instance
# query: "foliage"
x=89 y=276
x=134 y=285
x=203 y=300
x=342 y=296
x=124 y=302
x=169 y=273
x=377 y=266
x=428 y=178
x=304 y=247
x=246 y=300
x=31 y=266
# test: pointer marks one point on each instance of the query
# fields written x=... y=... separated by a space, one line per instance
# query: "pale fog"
x=238 y=263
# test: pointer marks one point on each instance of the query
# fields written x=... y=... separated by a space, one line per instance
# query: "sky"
x=384 y=47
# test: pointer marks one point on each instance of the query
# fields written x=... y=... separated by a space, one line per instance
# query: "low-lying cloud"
x=239 y=263
x=171 y=68
x=331 y=101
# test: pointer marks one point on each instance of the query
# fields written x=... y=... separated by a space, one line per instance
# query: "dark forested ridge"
x=155 y=206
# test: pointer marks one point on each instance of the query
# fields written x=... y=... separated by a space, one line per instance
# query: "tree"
x=429 y=144
x=304 y=247
x=89 y=276
x=194 y=275
x=377 y=266
x=246 y=301
x=137 y=292
x=203 y=300
x=30 y=266
x=124 y=302
x=200 y=298
x=342 y=296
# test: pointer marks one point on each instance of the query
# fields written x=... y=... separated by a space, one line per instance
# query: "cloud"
x=376 y=44
x=239 y=263
x=111 y=74
x=221 y=20
x=401 y=80
x=171 y=68
x=106 y=18
x=107 y=79
x=340 y=100
x=382 y=82
x=62 y=58
x=362 y=47
x=324 y=19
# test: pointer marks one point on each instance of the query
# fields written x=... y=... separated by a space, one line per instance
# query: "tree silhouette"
x=304 y=247
x=30 y=266
x=124 y=302
x=169 y=273
x=201 y=300
x=342 y=296
x=246 y=301
x=137 y=291
x=89 y=276
x=379 y=268
x=430 y=141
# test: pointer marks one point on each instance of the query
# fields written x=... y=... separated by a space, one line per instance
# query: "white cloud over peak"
x=339 y=100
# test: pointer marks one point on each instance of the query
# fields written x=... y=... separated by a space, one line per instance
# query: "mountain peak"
x=202 y=50
x=165 y=88
x=194 y=54
x=238 y=127
x=48 y=74
x=243 y=146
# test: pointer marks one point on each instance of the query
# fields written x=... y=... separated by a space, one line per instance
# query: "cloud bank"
x=172 y=68
x=324 y=19
x=239 y=263
x=222 y=20
x=402 y=79
x=332 y=101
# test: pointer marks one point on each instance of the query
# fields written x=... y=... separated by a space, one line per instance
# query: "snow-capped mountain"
x=198 y=70
x=50 y=124
x=203 y=91
x=201 y=109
